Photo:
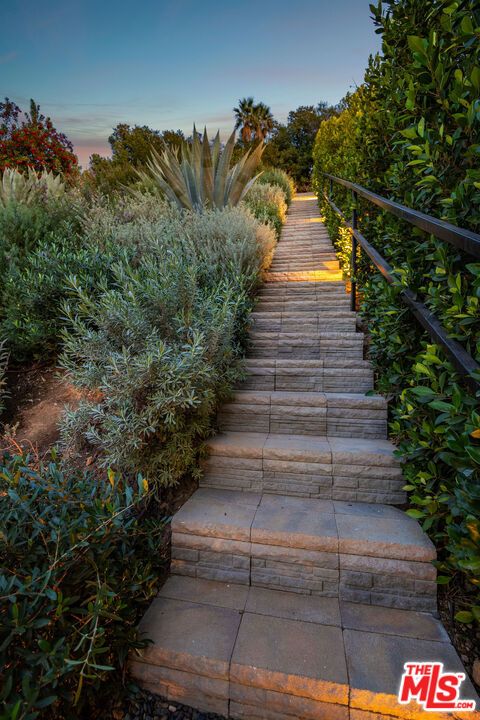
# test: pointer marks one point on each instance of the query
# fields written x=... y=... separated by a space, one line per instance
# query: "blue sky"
x=168 y=63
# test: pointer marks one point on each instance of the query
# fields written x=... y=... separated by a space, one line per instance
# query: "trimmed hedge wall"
x=411 y=132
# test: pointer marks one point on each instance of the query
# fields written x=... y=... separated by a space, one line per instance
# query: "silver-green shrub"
x=275 y=176
x=268 y=204
x=161 y=345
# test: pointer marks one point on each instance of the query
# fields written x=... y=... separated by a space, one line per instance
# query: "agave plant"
x=25 y=189
x=202 y=176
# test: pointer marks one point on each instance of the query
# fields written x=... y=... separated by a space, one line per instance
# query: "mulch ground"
x=142 y=705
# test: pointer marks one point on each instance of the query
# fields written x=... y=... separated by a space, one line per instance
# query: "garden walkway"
x=298 y=590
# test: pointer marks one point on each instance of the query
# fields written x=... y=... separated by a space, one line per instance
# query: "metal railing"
x=466 y=240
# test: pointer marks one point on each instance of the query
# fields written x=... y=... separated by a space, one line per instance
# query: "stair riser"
x=299 y=478
x=291 y=420
x=207 y=694
x=305 y=352
x=252 y=703
x=302 y=306
x=324 y=264
x=299 y=379
x=319 y=325
x=313 y=252
x=303 y=292
x=325 y=261
x=407 y=585
x=311 y=383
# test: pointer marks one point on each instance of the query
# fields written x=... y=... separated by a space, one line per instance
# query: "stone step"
x=298 y=465
x=305 y=345
x=250 y=653
x=296 y=266
x=355 y=551
x=278 y=289
x=329 y=375
x=335 y=320
x=300 y=250
x=336 y=300
x=301 y=306
x=305 y=248
x=297 y=231
x=306 y=413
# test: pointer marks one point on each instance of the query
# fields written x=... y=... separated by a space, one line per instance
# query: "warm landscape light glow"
x=306 y=276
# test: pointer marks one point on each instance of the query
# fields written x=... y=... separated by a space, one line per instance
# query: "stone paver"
x=252 y=652
x=183 y=639
x=297 y=590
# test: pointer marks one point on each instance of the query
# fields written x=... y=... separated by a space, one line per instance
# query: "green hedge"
x=412 y=133
x=79 y=563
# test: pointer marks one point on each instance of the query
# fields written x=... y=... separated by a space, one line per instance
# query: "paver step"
x=300 y=306
x=306 y=413
x=298 y=465
x=335 y=320
x=300 y=289
x=250 y=653
x=355 y=551
x=328 y=375
x=305 y=345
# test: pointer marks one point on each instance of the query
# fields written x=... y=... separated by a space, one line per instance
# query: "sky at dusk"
x=169 y=63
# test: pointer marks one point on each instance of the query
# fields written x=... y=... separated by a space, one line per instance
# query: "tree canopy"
x=30 y=140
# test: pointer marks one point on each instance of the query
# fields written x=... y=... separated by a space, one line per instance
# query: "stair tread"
x=305 y=398
x=307 y=523
x=257 y=649
x=322 y=449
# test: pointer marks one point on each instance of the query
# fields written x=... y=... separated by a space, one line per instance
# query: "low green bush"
x=3 y=369
x=268 y=204
x=84 y=248
x=31 y=207
x=79 y=562
x=411 y=133
x=274 y=176
x=33 y=292
x=162 y=343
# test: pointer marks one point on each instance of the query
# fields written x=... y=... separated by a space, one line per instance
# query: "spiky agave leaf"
x=24 y=189
x=251 y=160
x=206 y=175
x=203 y=177
x=221 y=175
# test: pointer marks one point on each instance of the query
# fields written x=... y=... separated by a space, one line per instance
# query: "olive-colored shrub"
x=275 y=176
x=412 y=133
x=3 y=369
x=268 y=204
x=79 y=563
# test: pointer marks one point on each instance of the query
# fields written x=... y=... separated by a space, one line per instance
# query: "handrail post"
x=353 y=296
x=331 y=188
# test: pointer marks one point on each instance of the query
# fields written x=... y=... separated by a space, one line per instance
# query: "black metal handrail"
x=464 y=239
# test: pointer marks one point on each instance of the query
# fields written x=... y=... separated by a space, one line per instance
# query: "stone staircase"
x=297 y=589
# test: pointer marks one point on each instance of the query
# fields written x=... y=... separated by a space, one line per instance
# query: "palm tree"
x=263 y=121
x=244 y=118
